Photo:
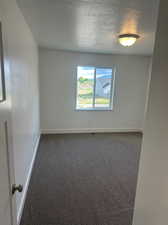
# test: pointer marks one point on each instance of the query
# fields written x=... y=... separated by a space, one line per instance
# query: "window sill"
x=96 y=109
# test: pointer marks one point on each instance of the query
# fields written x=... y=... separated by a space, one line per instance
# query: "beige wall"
x=58 y=88
x=151 y=206
x=22 y=59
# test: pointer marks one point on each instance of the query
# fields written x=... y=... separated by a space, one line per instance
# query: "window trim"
x=112 y=90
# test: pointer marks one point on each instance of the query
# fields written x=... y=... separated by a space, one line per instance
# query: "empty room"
x=83 y=112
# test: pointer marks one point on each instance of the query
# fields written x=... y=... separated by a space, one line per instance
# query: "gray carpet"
x=83 y=179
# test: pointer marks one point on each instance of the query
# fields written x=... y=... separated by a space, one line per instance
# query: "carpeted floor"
x=83 y=179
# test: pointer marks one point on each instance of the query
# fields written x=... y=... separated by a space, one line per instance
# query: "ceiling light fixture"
x=128 y=39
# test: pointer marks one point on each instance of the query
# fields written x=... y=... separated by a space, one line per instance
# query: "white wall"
x=58 y=87
x=151 y=205
x=22 y=56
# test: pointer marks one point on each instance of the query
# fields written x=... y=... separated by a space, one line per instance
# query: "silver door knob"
x=18 y=188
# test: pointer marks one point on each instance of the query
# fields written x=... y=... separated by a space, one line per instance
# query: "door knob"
x=18 y=188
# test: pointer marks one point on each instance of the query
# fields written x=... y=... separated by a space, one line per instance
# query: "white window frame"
x=112 y=91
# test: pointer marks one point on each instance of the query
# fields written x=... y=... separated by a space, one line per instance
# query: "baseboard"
x=89 y=130
x=19 y=214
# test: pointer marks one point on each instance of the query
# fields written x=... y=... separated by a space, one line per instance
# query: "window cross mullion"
x=94 y=88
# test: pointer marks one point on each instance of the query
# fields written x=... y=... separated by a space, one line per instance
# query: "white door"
x=7 y=200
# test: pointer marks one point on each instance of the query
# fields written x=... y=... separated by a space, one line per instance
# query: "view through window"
x=95 y=88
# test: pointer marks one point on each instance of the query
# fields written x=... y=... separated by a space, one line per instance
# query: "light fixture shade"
x=128 y=39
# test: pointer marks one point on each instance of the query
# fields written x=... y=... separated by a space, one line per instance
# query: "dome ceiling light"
x=128 y=39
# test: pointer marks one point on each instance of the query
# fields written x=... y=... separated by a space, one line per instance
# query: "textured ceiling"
x=92 y=25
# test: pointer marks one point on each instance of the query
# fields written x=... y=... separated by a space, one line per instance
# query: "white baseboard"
x=19 y=214
x=89 y=130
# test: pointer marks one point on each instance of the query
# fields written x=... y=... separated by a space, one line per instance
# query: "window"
x=95 y=88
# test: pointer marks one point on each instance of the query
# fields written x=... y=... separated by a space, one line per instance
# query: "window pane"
x=85 y=88
x=103 y=87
